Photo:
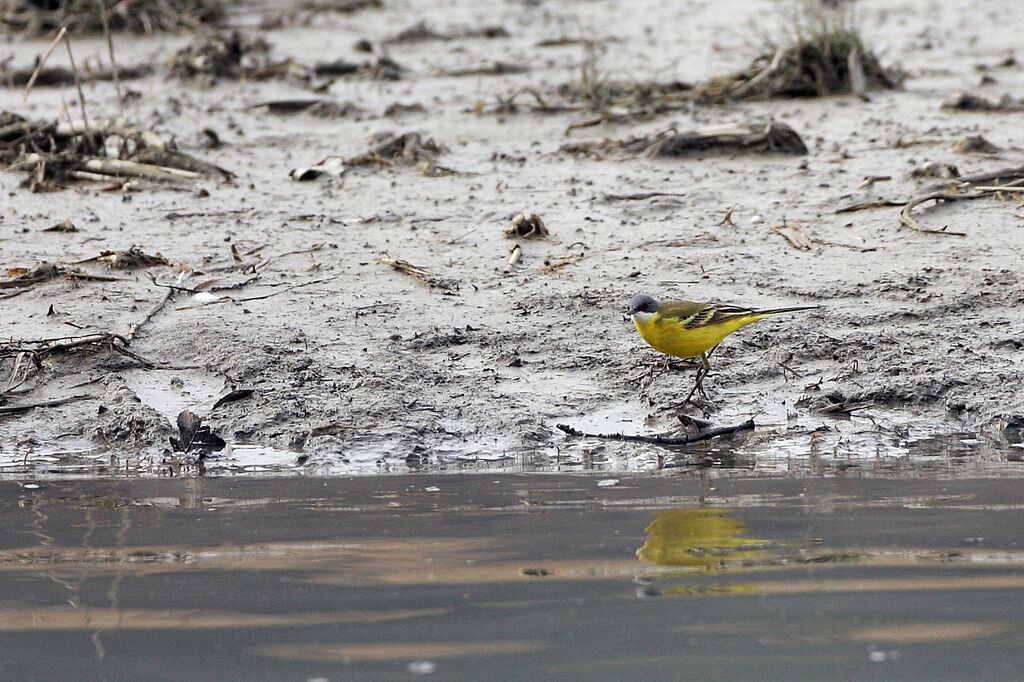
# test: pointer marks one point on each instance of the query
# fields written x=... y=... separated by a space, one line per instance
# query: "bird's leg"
x=702 y=372
x=704 y=357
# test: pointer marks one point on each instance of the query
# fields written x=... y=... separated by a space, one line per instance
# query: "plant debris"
x=966 y=188
x=795 y=235
x=237 y=56
x=729 y=138
x=44 y=272
x=975 y=144
x=422 y=275
x=528 y=225
x=193 y=437
x=618 y=99
x=660 y=439
x=58 y=153
x=340 y=6
x=397 y=148
x=321 y=108
x=381 y=68
x=40 y=348
x=229 y=55
x=935 y=169
x=232 y=396
x=964 y=101
x=420 y=32
x=63 y=226
x=487 y=68
x=396 y=109
x=32 y=17
x=132 y=259
x=50 y=76
x=825 y=55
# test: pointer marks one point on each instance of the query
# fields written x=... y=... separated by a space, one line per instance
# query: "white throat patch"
x=642 y=316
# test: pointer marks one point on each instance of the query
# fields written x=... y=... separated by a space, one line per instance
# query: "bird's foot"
x=698 y=388
x=706 y=407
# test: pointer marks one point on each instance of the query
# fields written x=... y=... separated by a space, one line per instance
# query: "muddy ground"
x=364 y=368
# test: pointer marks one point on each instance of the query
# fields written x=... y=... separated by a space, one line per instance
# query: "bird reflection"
x=699 y=538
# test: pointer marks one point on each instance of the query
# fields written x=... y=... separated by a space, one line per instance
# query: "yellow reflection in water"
x=699 y=538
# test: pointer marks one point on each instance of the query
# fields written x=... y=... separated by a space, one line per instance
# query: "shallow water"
x=509 y=576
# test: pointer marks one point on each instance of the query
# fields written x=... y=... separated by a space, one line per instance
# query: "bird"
x=685 y=329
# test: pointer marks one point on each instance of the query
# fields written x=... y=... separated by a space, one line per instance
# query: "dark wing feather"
x=721 y=313
x=693 y=315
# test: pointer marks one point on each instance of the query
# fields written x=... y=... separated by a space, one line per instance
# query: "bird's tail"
x=776 y=311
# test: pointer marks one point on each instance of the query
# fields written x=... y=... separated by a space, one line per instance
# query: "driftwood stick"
x=766 y=73
x=1000 y=188
x=1014 y=173
x=171 y=289
x=514 y=256
x=45 y=347
x=117 y=125
x=121 y=168
x=981 y=192
x=118 y=168
x=878 y=203
x=640 y=196
x=42 y=62
x=230 y=299
x=911 y=222
x=14 y=409
x=661 y=440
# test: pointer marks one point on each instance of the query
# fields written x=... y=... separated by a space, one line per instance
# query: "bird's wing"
x=693 y=315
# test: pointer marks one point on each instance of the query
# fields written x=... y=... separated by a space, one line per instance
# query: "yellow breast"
x=670 y=335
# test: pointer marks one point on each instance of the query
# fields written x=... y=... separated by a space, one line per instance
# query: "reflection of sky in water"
x=702 y=537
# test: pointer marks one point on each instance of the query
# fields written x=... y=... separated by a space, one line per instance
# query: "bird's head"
x=642 y=306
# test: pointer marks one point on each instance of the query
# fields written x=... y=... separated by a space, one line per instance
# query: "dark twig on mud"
x=640 y=196
x=878 y=203
x=231 y=299
x=134 y=329
x=40 y=348
x=268 y=261
x=661 y=440
x=846 y=407
x=14 y=409
x=46 y=347
x=170 y=287
x=913 y=224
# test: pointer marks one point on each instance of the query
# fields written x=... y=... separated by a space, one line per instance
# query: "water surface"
x=509 y=576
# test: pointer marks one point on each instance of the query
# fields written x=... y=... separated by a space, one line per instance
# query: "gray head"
x=642 y=304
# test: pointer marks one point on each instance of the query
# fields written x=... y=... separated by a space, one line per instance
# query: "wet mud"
x=382 y=320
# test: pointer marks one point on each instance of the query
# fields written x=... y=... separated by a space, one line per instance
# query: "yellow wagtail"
x=685 y=329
